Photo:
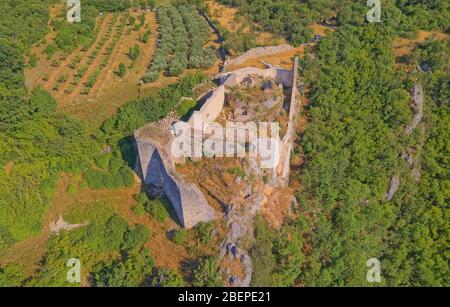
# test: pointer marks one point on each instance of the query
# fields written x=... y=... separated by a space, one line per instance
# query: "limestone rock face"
x=393 y=187
x=417 y=104
x=61 y=224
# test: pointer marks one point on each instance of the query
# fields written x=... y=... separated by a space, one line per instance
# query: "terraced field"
x=92 y=82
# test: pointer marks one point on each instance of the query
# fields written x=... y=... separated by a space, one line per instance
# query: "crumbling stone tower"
x=158 y=168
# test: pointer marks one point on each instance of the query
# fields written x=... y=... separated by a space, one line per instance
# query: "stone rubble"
x=61 y=224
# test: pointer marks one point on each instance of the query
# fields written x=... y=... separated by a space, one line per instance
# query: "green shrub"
x=166 y=278
x=50 y=50
x=185 y=107
x=206 y=274
x=103 y=161
x=142 y=198
x=130 y=271
x=131 y=20
x=236 y=171
x=94 y=178
x=33 y=60
x=134 y=52
x=158 y=209
x=134 y=238
x=178 y=236
x=145 y=37
x=126 y=176
x=122 y=70
x=12 y=276
x=204 y=232
x=139 y=209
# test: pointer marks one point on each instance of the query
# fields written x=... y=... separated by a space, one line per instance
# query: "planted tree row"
x=180 y=43
x=161 y=58
x=107 y=55
x=78 y=75
x=198 y=30
x=183 y=34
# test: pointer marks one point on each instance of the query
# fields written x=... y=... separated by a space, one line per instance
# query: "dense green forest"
x=360 y=104
x=37 y=141
x=353 y=144
x=292 y=18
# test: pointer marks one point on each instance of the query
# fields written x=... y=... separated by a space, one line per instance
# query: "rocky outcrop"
x=417 y=105
x=61 y=224
x=393 y=187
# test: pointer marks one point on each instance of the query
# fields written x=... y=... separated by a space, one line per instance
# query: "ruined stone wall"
x=283 y=169
x=223 y=53
x=288 y=78
x=212 y=108
x=258 y=52
x=234 y=78
x=157 y=164
x=158 y=169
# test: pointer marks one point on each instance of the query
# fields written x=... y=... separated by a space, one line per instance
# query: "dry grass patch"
x=404 y=46
x=229 y=19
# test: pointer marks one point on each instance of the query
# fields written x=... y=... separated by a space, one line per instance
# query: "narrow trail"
x=241 y=210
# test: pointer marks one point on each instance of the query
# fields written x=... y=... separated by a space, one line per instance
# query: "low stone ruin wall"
x=212 y=108
x=235 y=78
x=287 y=143
x=258 y=52
x=223 y=53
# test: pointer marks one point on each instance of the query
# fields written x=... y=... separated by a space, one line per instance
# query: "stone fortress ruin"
x=158 y=169
x=156 y=163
